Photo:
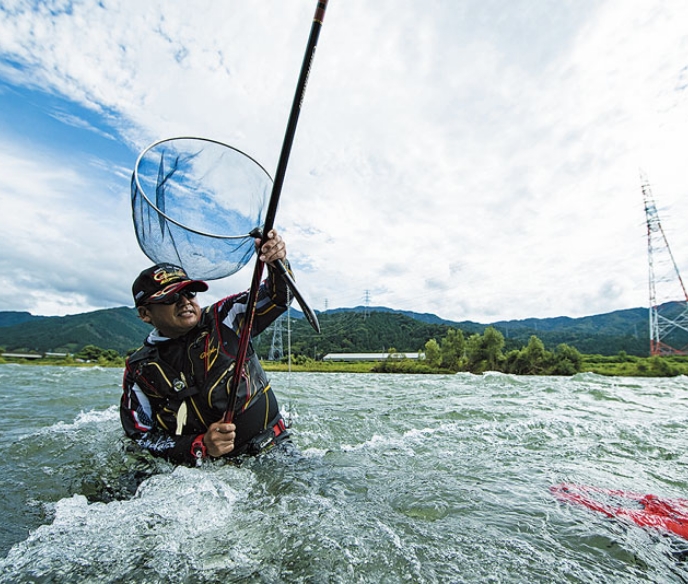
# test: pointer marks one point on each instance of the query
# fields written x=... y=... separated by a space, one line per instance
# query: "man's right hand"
x=219 y=439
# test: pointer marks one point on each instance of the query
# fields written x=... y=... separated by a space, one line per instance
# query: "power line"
x=277 y=348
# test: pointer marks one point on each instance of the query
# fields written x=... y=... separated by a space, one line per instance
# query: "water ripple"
x=398 y=478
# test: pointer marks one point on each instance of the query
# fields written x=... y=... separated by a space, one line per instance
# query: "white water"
x=399 y=479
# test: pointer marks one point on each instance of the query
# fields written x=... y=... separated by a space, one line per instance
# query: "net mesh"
x=195 y=202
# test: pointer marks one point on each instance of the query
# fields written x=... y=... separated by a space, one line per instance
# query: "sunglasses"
x=174 y=298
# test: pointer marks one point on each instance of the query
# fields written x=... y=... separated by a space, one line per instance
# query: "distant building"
x=371 y=356
x=34 y=355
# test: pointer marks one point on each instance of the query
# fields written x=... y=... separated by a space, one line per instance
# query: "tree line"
x=485 y=352
x=90 y=354
x=453 y=353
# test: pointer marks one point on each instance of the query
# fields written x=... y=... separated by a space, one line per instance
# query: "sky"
x=478 y=160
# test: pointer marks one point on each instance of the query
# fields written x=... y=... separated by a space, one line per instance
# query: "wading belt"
x=266 y=439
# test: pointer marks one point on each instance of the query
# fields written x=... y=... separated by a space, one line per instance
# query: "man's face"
x=173 y=320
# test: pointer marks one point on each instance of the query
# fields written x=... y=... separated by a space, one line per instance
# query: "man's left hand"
x=273 y=249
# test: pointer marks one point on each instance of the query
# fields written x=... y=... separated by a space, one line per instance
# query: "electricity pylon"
x=668 y=298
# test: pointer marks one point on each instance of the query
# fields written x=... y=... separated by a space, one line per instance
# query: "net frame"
x=204 y=240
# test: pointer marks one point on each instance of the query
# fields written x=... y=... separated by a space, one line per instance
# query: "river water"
x=398 y=478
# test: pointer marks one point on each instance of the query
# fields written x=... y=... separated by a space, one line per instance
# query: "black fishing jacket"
x=175 y=388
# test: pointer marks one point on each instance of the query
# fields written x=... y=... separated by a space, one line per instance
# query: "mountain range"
x=358 y=329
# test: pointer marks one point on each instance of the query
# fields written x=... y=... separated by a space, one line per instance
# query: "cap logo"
x=164 y=277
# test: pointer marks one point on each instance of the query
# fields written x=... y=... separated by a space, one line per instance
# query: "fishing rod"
x=245 y=335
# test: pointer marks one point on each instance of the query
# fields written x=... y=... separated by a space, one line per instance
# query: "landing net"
x=195 y=202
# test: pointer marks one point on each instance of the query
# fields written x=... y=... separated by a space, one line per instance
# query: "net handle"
x=294 y=116
x=272 y=207
x=139 y=188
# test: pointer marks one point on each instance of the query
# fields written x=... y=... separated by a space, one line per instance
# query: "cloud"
x=478 y=160
x=64 y=249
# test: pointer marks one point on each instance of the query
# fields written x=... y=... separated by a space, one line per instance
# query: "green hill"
x=11 y=318
x=375 y=330
x=114 y=328
x=343 y=330
x=604 y=334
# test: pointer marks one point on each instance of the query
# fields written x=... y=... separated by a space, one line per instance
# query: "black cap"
x=157 y=283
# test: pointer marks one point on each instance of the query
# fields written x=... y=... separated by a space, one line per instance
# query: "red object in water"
x=643 y=510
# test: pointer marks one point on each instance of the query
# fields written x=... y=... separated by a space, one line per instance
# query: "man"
x=176 y=386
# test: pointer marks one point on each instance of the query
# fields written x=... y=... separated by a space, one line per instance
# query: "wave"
x=172 y=521
x=84 y=419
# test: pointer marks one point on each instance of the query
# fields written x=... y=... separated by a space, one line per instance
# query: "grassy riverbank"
x=616 y=366
x=619 y=365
